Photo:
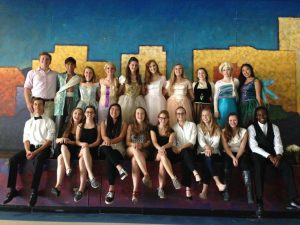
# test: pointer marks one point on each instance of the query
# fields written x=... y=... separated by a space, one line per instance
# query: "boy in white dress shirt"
x=266 y=146
x=38 y=134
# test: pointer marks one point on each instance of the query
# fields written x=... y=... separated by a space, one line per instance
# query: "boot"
x=248 y=184
x=227 y=174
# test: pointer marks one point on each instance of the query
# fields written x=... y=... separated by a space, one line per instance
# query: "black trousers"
x=210 y=168
x=284 y=169
x=244 y=161
x=38 y=162
x=112 y=159
x=187 y=157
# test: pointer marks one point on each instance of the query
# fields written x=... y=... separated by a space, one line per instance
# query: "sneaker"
x=123 y=174
x=176 y=183
x=161 y=193
x=94 y=183
x=109 y=198
x=69 y=172
x=78 y=196
x=293 y=205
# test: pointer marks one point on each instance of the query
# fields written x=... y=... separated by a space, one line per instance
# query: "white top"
x=180 y=89
x=206 y=139
x=155 y=87
x=235 y=142
x=42 y=84
x=39 y=131
x=185 y=134
x=254 y=145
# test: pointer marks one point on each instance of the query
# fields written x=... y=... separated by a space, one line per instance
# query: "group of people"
x=149 y=119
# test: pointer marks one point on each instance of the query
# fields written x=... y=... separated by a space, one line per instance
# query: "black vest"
x=263 y=141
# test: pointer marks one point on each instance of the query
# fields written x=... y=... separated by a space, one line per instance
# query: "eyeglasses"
x=163 y=118
x=89 y=112
x=180 y=113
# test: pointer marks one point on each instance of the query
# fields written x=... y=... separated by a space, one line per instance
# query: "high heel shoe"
x=198 y=179
x=221 y=187
x=188 y=195
x=135 y=197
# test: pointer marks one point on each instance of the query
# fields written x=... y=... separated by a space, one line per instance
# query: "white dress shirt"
x=254 y=145
x=185 y=134
x=205 y=139
x=42 y=84
x=37 y=132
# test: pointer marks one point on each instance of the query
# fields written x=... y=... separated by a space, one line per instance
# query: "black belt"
x=49 y=99
x=36 y=146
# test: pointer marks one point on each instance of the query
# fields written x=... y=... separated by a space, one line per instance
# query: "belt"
x=49 y=99
x=36 y=146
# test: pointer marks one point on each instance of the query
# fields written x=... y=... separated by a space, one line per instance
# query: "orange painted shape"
x=11 y=78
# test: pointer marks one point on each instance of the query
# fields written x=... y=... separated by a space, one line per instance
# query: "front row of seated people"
x=82 y=140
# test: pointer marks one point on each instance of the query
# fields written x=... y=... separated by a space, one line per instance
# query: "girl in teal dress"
x=225 y=99
x=250 y=94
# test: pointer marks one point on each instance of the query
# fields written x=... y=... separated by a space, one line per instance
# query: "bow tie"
x=38 y=117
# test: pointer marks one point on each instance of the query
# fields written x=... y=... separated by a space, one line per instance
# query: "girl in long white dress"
x=155 y=88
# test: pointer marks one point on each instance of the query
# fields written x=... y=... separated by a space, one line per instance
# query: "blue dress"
x=248 y=103
x=226 y=102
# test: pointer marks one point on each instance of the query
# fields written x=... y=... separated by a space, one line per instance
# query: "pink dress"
x=179 y=98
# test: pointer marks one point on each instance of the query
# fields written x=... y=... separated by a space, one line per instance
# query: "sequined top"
x=248 y=91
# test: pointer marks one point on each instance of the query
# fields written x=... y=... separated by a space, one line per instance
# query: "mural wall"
x=193 y=33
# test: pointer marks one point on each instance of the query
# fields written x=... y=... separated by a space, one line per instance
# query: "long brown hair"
x=228 y=132
x=215 y=129
x=148 y=74
x=145 y=125
x=94 y=75
x=173 y=78
x=128 y=72
x=71 y=123
x=168 y=128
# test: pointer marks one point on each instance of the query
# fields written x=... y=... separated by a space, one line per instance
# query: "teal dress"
x=226 y=103
x=248 y=103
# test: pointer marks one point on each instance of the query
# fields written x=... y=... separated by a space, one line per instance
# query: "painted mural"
x=193 y=33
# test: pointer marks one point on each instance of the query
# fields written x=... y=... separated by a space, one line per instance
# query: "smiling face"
x=38 y=107
x=88 y=74
x=89 y=113
x=133 y=66
x=178 y=70
x=201 y=75
x=246 y=71
x=163 y=119
x=262 y=116
x=109 y=70
x=233 y=121
x=77 y=115
x=114 y=112
x=181 y=115
x=153 y=68
x=206 y=116
x=45 y=62
x=140 y=115
x=226 y=71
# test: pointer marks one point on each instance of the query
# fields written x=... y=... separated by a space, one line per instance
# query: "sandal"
x=135 y=197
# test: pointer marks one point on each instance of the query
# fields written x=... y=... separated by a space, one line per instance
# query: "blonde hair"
x=225 y=64
x=214 y=127
x=173 y=78
x=107 y=64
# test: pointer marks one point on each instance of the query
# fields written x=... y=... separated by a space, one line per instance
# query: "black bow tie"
x=38 y=117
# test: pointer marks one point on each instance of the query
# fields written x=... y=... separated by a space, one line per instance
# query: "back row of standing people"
x=64 y=92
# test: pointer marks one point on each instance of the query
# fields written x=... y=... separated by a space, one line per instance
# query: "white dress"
x=155 y=101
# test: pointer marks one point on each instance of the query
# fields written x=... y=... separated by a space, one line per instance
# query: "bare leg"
x=60 y=171
x=87 y=158
x=83 y=174
x=140 y=160
x=166 y=164
x=220 y=185
x=203 y=194
x=66 y=156
x=161 y=175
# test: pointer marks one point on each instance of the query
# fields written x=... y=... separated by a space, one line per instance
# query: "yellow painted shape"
x=146 y=53
x=276 y=65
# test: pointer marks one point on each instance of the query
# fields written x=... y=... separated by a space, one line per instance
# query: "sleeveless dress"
x=108 y=96
x=88 y=96
x=248 y=103
x=73 y=149
x=203 y=99
x=130 y=100
x=179 y=98
x=89 y=136
x=155 y=101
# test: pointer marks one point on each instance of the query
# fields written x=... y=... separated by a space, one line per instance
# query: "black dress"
x=90 y=136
